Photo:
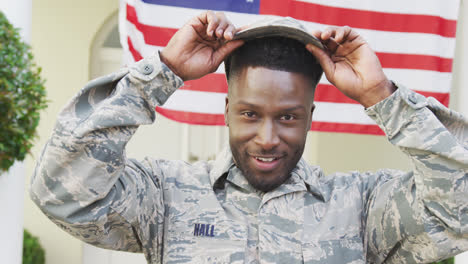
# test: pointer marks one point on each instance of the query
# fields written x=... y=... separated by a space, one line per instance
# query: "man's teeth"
x=265 y=159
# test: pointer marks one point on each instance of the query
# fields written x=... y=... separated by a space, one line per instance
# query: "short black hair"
x=275 y=53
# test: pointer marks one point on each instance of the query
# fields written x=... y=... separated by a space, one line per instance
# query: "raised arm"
x=83 y=180
x=421 y=216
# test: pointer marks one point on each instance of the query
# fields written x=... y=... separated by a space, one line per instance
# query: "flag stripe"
x=415 y=61
x=430 y=81
x=218 y=119
x=159 y=36
x=347 y=128
x=428 y=7
x=361 y=18
x=136 y=55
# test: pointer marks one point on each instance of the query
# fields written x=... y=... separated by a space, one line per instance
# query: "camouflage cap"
x=278 y=27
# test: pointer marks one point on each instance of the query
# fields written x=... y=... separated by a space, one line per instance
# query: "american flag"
x=414 y=40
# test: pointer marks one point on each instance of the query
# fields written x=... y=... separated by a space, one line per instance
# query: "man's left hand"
x=351 y=65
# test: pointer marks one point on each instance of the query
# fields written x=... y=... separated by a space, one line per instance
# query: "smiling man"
x=269 y=107
x=258 y=202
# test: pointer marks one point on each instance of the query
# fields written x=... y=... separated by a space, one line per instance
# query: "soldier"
x=258 y=201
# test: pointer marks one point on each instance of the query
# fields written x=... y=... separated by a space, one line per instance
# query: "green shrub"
x=22 y=95
x=33 y=253
x=447 y=261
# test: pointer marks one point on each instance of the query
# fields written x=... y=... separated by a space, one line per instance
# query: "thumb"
x=324 y=59
x=220 y=54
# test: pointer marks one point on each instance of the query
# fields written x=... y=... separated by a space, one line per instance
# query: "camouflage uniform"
x=206 y=212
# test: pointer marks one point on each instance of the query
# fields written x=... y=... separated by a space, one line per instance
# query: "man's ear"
x=226 y=110
x=311 y=115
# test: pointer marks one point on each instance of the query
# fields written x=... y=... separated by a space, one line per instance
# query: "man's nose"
x=267 y=136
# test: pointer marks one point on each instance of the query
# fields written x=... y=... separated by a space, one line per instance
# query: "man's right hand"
x=199 y=47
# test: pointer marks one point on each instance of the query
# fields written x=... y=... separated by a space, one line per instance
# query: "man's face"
x=268 y=113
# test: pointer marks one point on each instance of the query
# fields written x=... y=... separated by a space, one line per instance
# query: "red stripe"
x=136 y=55
x=415 y=62
x=443 y=98
x=360 y=18
x=156 y=36
x=218 y=119
x=214 y=82
x=192 y=118
x=159 y=36
x=347 y=128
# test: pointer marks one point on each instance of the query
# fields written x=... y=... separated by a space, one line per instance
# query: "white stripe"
x=195 y=101
x=213 y=103
x=402 y=43
x=420 y=80
x=381 y=41
x=427 y=81
x=445 y=9
x=341 y=113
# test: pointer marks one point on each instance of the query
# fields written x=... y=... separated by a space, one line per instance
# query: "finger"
x=212 y=21
x=324 y=59
x=342 y=34
x=353 y=35
x=331 y=45
x=222 y=25
x=220 y=54
x=229 y=32
x=328 y=33
x=316 y=33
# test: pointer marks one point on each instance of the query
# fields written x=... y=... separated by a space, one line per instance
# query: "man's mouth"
x=263 y=159
x=266 y=163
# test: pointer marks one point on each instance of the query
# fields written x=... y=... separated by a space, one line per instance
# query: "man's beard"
x=273 y=181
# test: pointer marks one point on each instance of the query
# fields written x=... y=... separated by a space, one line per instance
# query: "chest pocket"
x=338 y=251
x=200 y=242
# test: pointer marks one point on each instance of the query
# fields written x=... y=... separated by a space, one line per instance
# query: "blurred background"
x=75 y=41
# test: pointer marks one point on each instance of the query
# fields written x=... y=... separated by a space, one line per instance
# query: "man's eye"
x=287 y=117
x=249 y=114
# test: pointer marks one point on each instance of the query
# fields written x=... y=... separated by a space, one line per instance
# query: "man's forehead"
x=254 y=83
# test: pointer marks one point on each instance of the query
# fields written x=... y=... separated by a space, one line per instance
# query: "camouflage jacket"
x=206 y=212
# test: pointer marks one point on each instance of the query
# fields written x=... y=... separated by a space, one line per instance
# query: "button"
x=412 y=98
x=147 y=69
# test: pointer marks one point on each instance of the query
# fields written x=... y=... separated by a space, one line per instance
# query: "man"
x=258 y=201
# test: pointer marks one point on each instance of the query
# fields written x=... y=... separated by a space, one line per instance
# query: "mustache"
x=262 y=152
